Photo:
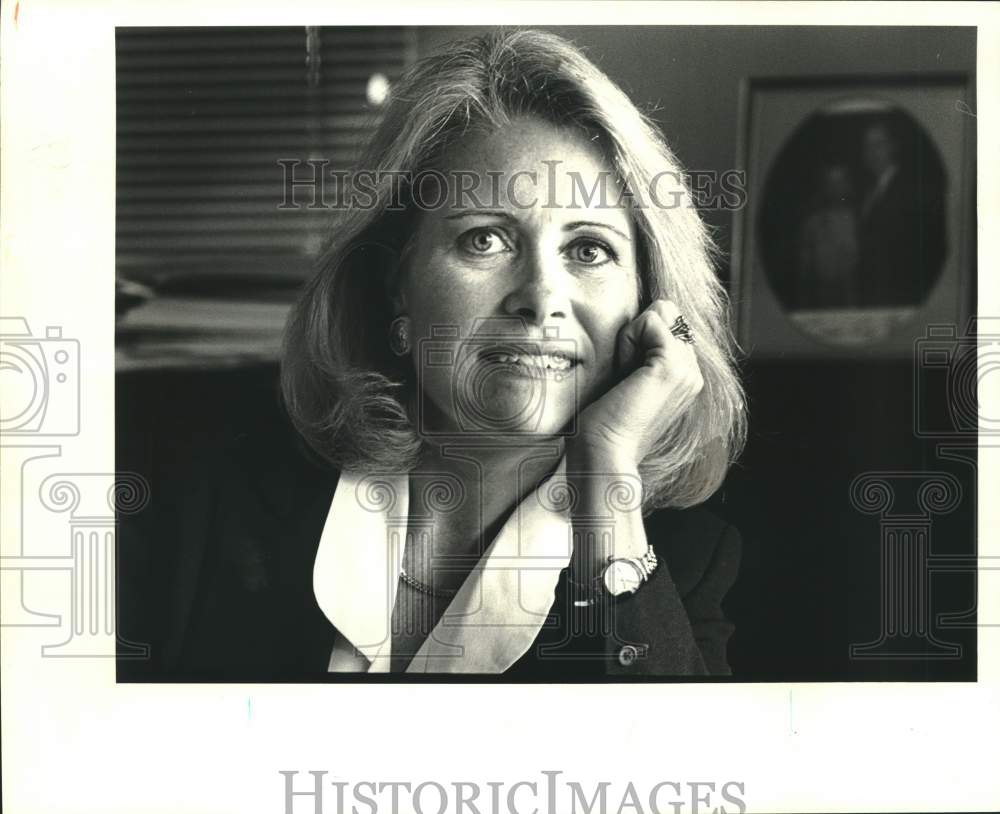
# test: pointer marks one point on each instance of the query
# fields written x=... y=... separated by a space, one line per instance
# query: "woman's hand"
x=661 y=381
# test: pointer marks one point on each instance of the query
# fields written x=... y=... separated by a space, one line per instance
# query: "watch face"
x=621 y=577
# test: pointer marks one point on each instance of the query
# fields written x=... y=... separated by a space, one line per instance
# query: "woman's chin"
x=539 y=426
x=518 y=427
x=519 y=410
x=501 y=407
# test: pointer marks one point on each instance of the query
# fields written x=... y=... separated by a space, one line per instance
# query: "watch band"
x=644 y=565
x=648 y=562
x=597 y=586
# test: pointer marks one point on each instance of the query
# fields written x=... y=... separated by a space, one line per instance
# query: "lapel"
x=269 y=519
x=356 y=570
x=491 y=622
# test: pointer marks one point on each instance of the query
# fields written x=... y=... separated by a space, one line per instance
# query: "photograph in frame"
x=857 y=230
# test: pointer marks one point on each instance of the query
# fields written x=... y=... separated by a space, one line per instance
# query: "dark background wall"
x=811 y=584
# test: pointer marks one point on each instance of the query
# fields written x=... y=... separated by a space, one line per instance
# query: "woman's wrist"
x=592 y=456
x=608 y=498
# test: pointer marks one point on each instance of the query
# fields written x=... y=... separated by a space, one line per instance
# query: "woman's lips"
x=535 y=362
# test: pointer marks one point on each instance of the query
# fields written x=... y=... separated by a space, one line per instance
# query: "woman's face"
x=517 y=288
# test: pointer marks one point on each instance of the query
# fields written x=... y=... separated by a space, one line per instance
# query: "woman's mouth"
x=530 y=362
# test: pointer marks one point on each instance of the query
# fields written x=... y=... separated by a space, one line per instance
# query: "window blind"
x=204 y=115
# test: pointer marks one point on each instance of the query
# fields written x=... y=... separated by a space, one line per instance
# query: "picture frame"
x=859 y=225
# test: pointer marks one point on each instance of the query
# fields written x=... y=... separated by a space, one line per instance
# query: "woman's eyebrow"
x=470 y=213
x=569 y=227
x=578 y=223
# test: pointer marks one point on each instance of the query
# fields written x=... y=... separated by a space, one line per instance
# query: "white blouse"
x=359 y=561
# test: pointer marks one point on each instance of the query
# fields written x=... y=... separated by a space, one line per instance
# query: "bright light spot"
x=378 y=89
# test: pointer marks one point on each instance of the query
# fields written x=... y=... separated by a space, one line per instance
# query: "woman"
x=514 y=349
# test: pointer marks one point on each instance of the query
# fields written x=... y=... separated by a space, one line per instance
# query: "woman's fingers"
x=648 y=340
x=661 y=379
x=631 y=348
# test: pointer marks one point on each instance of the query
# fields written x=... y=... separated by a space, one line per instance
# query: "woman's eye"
x=591 y=253
x=483 y=242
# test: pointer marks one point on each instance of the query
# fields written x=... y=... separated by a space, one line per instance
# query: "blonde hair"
x=344 y=390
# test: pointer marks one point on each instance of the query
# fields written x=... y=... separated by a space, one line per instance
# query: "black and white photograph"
x=602 y=390
x=427 y=350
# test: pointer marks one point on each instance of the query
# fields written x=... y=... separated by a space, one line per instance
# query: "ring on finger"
x=682 y=330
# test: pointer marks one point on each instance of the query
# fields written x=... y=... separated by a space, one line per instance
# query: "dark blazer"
x=216 y=576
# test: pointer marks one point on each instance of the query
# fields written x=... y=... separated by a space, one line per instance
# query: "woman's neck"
x=480 y=481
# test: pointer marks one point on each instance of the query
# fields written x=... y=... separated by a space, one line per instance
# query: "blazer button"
x=627 y=655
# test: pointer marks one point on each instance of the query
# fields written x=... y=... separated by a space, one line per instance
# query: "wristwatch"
x=625 y=575
x=621 y=575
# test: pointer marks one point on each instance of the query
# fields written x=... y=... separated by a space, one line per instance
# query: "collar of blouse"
x=484 y=629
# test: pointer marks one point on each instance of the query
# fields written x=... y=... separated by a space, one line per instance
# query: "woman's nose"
x=542 y=291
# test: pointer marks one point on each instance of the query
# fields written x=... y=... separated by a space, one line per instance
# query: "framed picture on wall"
x=859 y=227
